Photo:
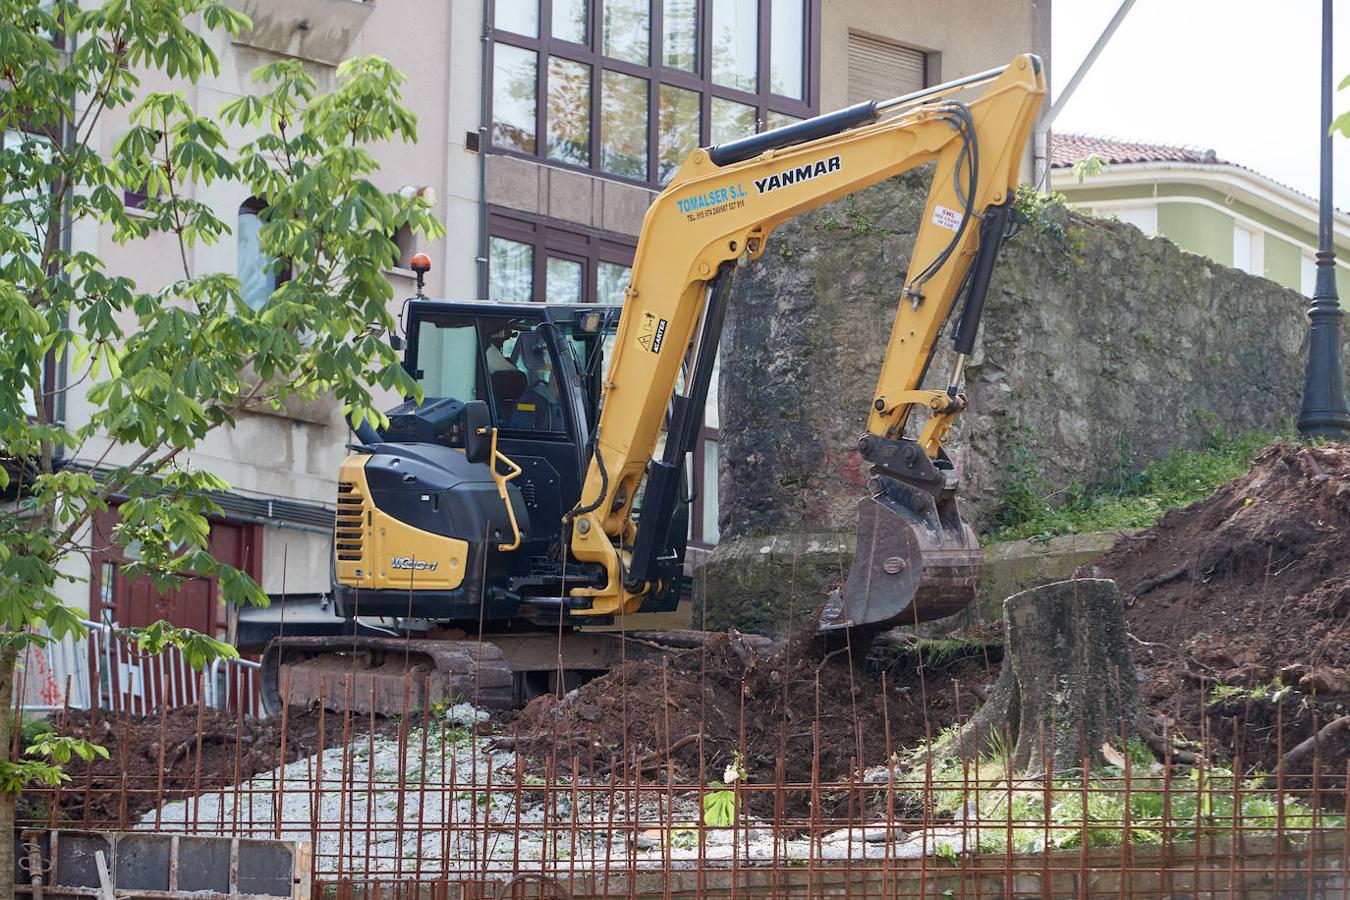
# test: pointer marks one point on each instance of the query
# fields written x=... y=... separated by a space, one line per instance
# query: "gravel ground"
x=459 y=811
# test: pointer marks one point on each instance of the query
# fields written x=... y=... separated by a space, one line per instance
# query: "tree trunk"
x=1068 y=683
x=9 y=657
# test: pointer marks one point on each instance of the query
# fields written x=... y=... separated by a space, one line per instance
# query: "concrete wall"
x=1100 y=349
x=566 y=195
x=463 y=97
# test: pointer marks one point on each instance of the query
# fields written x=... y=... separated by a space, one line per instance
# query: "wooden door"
x=194 y=602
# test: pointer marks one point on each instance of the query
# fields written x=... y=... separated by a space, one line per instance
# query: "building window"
x=1249 y=250
x=623 y=125
x=879 y=70
x=531 y=259
x=512 y=266
x=627 y=30
x=29 y=209
x=563 y=279
x=611 y=281
x=629 y=87
x=787 y=41
x=258 y=274
x=680 y=45
x=1307 y=272
x=735 y=44
x=570 y=20
x=703 y=523
x=405 y=246
x=569 y=111
x=520 y=16
x=1145 y=217
x=514 y=84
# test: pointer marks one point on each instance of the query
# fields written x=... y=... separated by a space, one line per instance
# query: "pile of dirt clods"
x=1239 y=612
x=1241 y=603
x=803 y=712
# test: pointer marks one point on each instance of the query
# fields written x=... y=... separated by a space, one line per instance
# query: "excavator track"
x=366 y=674
x=393 y=675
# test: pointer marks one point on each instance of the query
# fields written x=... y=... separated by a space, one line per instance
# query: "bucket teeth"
x=910 y=566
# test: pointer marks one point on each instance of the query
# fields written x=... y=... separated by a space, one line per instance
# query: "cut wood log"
x=1333 y=739
x=1168 y=577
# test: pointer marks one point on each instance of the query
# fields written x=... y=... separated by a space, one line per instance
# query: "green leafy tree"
x=165 y=364
x=1088 y=166
x=1342 y=122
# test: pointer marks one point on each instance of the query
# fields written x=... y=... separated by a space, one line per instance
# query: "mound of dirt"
x=1254 y=579
x=800 y=715
x=128 y=783
x=1248 y=588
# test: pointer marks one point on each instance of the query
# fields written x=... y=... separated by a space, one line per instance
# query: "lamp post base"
x=1325 y=412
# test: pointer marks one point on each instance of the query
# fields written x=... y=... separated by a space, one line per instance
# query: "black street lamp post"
x=1325 y=412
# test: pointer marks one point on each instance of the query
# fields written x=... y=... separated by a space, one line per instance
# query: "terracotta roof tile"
x=1068 y=149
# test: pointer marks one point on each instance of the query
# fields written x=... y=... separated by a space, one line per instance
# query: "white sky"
x=1238 y=76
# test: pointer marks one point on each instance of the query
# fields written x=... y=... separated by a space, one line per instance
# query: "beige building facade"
x=546 y=127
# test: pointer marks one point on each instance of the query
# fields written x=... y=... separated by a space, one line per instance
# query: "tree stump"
x=1068 y=683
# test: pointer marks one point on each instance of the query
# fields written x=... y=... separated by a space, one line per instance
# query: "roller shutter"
x=878 y=69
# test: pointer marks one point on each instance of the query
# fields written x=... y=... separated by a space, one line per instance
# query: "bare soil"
x=803 y=714
x=128 y=783
x=1251 y=589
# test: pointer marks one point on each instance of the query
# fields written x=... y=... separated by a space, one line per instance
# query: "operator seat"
x=537 y=408
x=507 y=386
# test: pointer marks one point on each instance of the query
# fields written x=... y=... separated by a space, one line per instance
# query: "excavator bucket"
x=916 y=561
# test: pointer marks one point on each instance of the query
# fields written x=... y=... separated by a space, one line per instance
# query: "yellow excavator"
x=482 y=533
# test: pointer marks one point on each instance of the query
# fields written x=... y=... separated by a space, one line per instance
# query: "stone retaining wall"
x=1100 y=350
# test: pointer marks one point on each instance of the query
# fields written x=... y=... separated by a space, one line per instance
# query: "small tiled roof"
x=1067 y=149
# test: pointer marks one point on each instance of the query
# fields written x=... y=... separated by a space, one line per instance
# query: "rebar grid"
x=432 y=800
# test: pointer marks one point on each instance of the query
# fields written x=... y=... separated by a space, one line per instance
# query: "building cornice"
x=1242 y=185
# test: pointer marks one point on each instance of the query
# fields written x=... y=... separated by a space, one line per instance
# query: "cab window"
x=447 y=355
x=525 y=395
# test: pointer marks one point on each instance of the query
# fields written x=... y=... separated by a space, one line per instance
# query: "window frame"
x=656 y=73
x=551 y=237
x=283 y=266
x=698 y=535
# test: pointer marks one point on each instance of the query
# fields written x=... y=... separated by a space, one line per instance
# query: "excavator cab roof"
x=579 y=315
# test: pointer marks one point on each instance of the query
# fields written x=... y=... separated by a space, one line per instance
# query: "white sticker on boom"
x=947 y=218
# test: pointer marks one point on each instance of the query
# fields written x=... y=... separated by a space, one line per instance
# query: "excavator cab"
x=524 y=380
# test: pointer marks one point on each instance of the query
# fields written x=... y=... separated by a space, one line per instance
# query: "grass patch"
x=1206 y=802
x=1030 y=509
x=1224 y=694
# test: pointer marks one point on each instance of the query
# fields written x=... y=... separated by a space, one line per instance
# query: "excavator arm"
x=716 y=214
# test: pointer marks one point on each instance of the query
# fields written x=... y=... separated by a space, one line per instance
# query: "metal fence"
x=104 y=671
x=442 y=802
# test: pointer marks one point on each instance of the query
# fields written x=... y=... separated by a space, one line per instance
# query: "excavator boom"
x=916 y=558
x=500 y=506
